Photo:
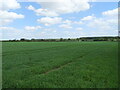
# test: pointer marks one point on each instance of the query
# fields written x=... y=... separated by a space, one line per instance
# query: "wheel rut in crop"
x=62 y=66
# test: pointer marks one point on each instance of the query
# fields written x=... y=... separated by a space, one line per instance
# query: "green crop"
x=60 y=64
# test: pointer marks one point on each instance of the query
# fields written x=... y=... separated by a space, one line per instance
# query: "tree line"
x=66 y=40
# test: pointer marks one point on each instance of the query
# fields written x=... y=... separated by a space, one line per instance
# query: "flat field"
x=60 y=64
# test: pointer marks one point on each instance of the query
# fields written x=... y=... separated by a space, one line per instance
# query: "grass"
x=60 y=65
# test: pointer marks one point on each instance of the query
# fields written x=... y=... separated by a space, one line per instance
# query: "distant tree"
x=61 y=39
x=42 y=40
x=69 y=39
x=22 y=39
x=32 y=39
x=14 y=40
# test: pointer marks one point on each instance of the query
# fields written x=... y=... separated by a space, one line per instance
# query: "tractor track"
x=63 y=65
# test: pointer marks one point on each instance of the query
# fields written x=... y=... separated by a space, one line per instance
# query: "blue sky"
x=99 y=19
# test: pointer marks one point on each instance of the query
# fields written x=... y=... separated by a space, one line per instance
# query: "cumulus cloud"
x=10 y=15
x=32 y=27
x=49 y=21
x=42 y=12
x=6 y=16
x=79 y=28
x=113 y=12
x=67 y=21
x=30 y=7
x=87 y=18
x=100 y=24
x=7 y=28
x=60 y=7
x=78 y=22
x=71 y=22
x=65 y=26
x=9 y=4
x=105 y=23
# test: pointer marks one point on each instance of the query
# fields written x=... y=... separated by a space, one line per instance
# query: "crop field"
x=60 y=64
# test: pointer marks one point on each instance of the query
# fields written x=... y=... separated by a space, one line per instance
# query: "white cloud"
x=65 y=26
x=6 y=16
x=61 y=7
x=78 y=22
x=79 y=28
x=113 y=12
x=42 y=12
x=9 y=4
x=4 y=21
x=32 y=27
x=68 y=21
x=45 y=12
x=71 y=22
x=49 y=21
x=109 y=23
x=87 y=18
x=10 y=15
x=7 y=28
x=30 y=7
x=100 y=24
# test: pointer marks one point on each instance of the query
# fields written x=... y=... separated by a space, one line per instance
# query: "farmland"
x=60 y=64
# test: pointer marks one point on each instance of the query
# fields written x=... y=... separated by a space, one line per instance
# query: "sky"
x=65 y=19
